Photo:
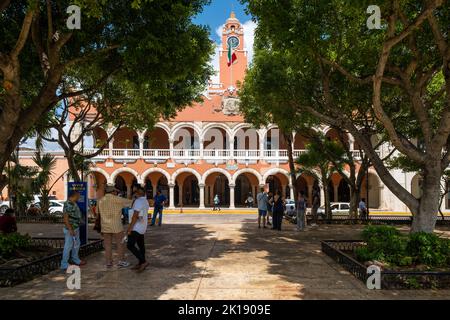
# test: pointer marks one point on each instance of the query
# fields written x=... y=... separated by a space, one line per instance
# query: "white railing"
x=196 y=154
x=156 y=154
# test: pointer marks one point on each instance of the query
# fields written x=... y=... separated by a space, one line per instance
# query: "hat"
x=110 y=189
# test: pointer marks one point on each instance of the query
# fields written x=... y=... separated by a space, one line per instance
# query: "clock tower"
x=232 y=38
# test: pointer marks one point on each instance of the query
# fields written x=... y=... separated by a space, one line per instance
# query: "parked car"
x=337 y=208
x=290 y=208
x=55 y=209
x=4 y=205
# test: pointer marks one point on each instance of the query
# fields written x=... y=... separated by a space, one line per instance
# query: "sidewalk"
x=223 y=257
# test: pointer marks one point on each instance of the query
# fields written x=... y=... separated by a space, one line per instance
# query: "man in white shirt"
x=138 y=228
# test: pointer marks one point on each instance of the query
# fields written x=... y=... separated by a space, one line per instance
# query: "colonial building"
x=208 y=149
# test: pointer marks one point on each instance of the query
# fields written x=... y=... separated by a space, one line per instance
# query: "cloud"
x=249 y=39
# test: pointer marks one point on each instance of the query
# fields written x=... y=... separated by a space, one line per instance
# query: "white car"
x=337 y=208
x=55 y=209
x=290 y=207
x=4 y=205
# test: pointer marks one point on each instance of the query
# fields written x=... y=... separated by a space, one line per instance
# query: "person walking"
x=138 y=228
x=363 y=209
x=262 y=200
x=278 y=211
x=159 y=203
x=110 y=209
x=72 y=222
x=301 y=210
x=216 y=203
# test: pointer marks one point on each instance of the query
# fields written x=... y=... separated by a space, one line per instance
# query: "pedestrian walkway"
x=220 y=257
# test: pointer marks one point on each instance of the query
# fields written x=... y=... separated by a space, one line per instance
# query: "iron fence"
x=340 y=251
x=11 y=276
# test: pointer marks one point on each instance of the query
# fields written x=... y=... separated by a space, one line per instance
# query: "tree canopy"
x=393 y=82
x=143 y=60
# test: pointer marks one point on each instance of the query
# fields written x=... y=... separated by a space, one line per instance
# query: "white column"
x=202 y=196
x=141 y=146
x=231 y=149
x=291 y=189
x=202 y=148
x=111 y=147
x=232 y=205
x=322 y=197
x=171 y=196
x=171 y=147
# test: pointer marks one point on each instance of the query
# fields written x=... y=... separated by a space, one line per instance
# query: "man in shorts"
x=262 y=207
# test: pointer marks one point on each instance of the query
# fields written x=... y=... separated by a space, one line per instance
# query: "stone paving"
x=218 y=257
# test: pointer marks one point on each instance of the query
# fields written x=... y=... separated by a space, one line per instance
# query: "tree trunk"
x=73 y=170
x=292 y=169
x=424 y=219
x=328 y=213
x=355 y=196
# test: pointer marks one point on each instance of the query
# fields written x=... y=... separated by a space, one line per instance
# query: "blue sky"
x=217 y=12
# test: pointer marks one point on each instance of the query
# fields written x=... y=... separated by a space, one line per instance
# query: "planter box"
x=11 y=276
x=338 y=251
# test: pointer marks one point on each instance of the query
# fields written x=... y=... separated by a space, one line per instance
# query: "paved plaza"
x=205 y=257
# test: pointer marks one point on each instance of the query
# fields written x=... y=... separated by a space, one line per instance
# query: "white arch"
x=125 y=169
x=275 y=171
x=217 y=170
x=249 y=170
x=102 y=172
x=183 y=170
x=242 y=126
x=214 y=126
x=146 y=173
x=159 y=125
x=182 y=125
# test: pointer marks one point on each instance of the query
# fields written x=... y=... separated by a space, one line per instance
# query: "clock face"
x=233 y=42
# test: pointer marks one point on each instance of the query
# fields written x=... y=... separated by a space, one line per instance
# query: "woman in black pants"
x=278 y=211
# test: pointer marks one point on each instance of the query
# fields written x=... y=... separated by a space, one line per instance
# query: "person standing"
x=278 y=211
x=110 y=210
x=138 y=228
x=315 y=205
x=216 y=203
x=301 y=210
x=262 y=200
x=249 y=200
x=269 y=208
x=160 y=201
x=363 y=209
x=72 y=222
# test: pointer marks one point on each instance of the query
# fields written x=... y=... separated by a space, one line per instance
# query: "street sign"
x=81 y=188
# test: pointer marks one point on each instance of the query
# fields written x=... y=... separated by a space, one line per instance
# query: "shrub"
x=9 y=243
x=429 y=249
x=384 y=243
x=388 y=245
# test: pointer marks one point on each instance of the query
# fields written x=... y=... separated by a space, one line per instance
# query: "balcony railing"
x=197 y=154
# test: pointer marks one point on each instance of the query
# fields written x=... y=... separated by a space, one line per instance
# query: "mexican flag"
x=232 y=57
